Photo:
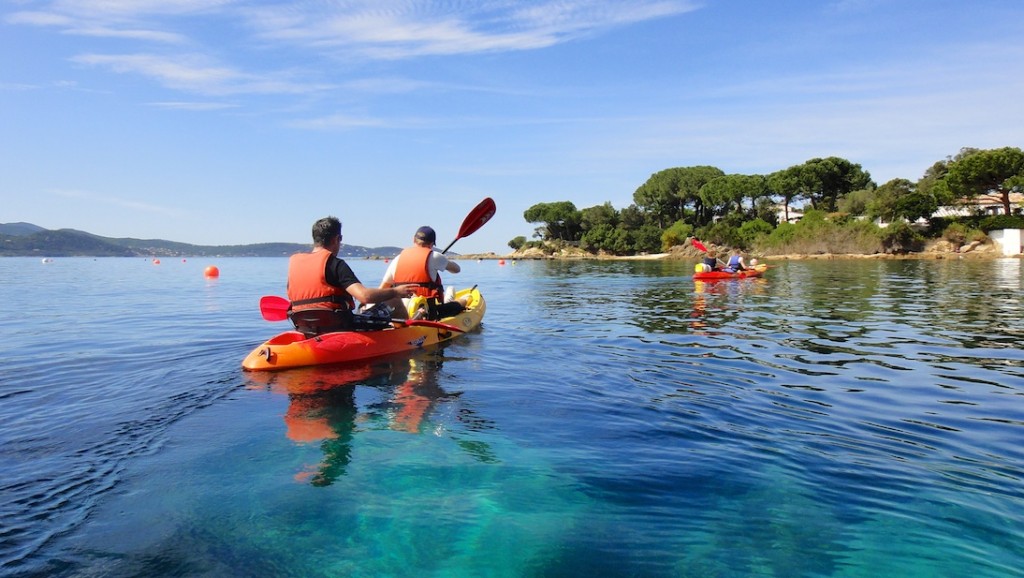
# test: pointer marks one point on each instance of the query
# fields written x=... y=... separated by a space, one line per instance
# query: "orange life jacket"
x=412 y=269
x=308 y=287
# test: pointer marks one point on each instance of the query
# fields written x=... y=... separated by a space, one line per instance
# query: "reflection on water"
x=322 y=405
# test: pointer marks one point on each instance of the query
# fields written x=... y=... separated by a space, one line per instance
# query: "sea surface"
x=615 y=418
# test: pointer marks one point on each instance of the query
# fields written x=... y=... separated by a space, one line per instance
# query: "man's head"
x=325 y=230
x=425 y=236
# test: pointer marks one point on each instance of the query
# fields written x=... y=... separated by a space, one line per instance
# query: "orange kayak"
x=293 y=349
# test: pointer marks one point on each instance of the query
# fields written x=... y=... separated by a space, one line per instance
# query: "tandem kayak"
x=757 y=271
x=293 y=349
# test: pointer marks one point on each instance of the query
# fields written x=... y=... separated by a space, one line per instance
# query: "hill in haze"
x=28 y=240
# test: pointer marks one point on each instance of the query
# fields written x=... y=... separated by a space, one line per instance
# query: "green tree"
x=787 y=185
x=900 y=238
x=668 y=193
x=647 y=239
x=561 y=220
x=894 y=199
x=987 y=171
x=729 y=191
x=600 y=237
x=517 y=243
x=857 y=202
x=831 y=178
x=633 y=217
x=598 y=215
x=751 y=232
x=676 y=235
x=764 y=209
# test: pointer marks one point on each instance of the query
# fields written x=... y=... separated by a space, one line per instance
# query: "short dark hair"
x=325 y=229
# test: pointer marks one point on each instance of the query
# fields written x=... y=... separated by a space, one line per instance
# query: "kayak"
x=293 y=349
x=757 y=271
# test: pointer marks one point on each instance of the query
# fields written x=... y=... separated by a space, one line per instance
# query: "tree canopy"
x=738 y=209
x=980 y=172
x=561 y=220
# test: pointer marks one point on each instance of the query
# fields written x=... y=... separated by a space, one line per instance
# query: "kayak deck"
x=293 y=349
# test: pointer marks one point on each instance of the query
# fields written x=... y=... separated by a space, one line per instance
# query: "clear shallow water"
x=611 y=418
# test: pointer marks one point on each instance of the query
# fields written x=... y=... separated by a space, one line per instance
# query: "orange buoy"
x=501 y=261
x=211 y=271
x=156 y=261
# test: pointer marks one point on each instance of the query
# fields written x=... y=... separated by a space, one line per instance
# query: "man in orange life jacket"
x=420 y=265
x=322 y=288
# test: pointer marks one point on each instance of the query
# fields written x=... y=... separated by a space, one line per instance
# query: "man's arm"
x=389 y=274
x=364 y=294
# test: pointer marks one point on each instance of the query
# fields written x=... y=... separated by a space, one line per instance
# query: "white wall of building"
x=1009 y=240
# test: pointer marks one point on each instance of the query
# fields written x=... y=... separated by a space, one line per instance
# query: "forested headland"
x=843 y=210
x=28 y=240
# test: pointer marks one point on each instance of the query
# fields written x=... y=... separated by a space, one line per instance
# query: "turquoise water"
x=843 y=418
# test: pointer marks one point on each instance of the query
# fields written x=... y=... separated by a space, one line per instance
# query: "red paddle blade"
x=477 y=217
x=274 y=308
x=474 y=220
x=700 y=246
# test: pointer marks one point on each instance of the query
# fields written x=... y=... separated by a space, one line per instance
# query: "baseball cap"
x=426 y=234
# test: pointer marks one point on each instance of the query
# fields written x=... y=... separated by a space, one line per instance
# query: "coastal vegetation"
x=842 y=210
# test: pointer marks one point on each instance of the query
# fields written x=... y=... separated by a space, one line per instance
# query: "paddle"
x=474 y=220
x=700 y=246
x=274 y=308
x=428 y=323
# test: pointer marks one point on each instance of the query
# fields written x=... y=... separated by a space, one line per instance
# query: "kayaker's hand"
x=405 y=290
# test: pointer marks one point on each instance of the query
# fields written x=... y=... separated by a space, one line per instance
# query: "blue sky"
x=233 y=122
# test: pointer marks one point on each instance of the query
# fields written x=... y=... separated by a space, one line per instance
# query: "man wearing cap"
x=420 y=265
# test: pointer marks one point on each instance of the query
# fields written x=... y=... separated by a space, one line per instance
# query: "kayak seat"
x=313 y=322
x=437 y=311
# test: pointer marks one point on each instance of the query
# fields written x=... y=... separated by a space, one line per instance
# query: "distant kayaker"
x=735 y=261
x=710 y=261
x=420 y=265
x=323 y=289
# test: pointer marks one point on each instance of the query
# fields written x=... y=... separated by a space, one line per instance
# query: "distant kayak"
x=293 y=349
x=757 y=271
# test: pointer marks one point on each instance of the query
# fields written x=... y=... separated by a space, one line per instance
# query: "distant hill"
x=28 y=240
x=19 y=229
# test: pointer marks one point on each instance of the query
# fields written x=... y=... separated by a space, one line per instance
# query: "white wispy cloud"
x=197 y=106
x=361 y=30
x=397 y=30
x=144 y=20
x=126 y=10
x=336 y=122
x=371 y=28
x=155 y=36
x=197 y=73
